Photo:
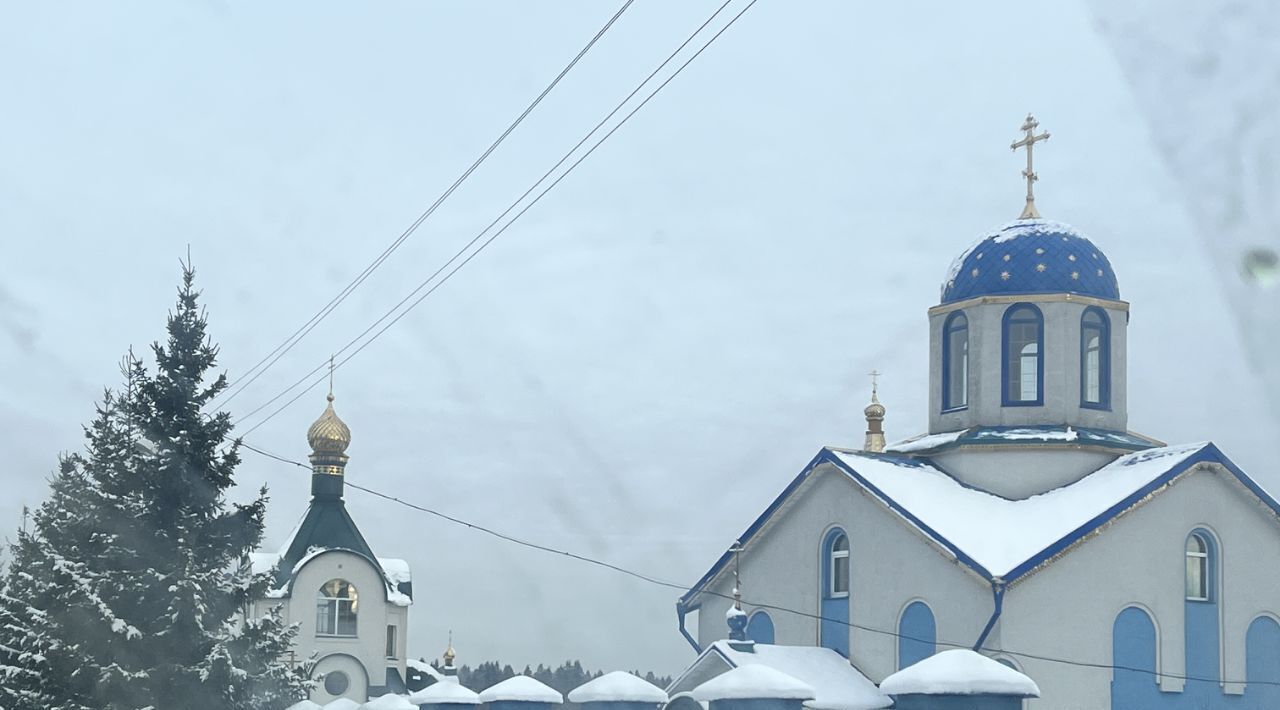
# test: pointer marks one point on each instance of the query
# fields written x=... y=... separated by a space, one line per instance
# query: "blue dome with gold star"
x=1031 y=256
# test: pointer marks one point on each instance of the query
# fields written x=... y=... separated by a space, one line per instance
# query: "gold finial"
x=449 y=654
x=875 y=377
x=329 y=437
x=1029 y=141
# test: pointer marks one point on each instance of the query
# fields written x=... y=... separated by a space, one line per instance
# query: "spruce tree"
x=130 y=589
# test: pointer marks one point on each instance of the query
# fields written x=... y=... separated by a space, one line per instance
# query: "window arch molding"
x=337 y=608
x=1095 y=358
x=955 y=362
x=1022 y=356
x=916 y=632
x=835 y=564
x=1202 y=554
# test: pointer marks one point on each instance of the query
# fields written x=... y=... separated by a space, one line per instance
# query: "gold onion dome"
x=329 y=434
x=875 y=410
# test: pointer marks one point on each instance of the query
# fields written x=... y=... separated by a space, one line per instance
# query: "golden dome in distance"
x=329 y=434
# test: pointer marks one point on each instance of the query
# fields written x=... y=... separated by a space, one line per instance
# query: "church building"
x=1028 y=523
x=351 y=607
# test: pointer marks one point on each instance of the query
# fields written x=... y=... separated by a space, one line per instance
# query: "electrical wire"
x=758 y=605
x=508 y=210
x=274 y=356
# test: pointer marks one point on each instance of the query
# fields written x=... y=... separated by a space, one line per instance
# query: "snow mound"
x=341 y=704
x=424 y=667
x=837 y=685
x=620 y=687
x=521 y=688
x=390 y=701
x=753 y=682
x=959 y=672
x=447 y=690
x=304 y=705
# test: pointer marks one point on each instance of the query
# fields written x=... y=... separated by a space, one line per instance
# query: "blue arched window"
x=917 y=634
x=1023 y=362
x=1095 y=359
x=760 y=627
x=1201 y=627
x=955 y=362
x=1133 y=653
x=833 y=632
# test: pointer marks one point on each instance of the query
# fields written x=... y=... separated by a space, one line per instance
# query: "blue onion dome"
x=1031 y=256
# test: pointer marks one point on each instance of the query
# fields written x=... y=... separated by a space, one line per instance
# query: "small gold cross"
x=1029 y=140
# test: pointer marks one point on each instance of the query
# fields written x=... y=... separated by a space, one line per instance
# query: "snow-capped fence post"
x=520 y=693
x=618 y=691
x=959 y=679
x=754 y=687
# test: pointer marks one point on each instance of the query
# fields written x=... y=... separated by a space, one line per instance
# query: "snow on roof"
x=836 y=684
x=263 y=562
x=618 y=686
x=341 y=704
x=397 y=570
x=446 y=690
x=755 y=681
x=1001 y=534
x=928 y=442
x=521 y=688
x=424 y=667
x=1027 y=434
x=390 y=701
x=304 y=705
x=959 y=671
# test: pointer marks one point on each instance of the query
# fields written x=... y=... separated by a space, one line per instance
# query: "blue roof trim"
x=1209 y=453
x=991 y=436
x=683 y=601
x=906 y=460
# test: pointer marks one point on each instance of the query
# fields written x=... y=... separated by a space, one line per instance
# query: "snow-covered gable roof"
x=618 y=687
x=426 y=668
x=993 y=536
x=523 y=689
x=836 y=683
x=959 y=671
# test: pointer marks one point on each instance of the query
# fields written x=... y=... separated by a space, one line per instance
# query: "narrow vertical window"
x=1197 y=568
x=391 y=641
x=840 y=566
x=1095 y=359
x=955 y=362
x=1023 y=361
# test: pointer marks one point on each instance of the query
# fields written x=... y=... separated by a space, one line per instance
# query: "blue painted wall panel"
x=918 y=634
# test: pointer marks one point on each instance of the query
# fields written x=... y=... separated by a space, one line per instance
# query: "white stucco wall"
x=891 y=565
x=374 y=614
x=1067 y=609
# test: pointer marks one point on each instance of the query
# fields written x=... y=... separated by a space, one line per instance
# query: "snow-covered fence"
x=754 y=687
x=959 y=679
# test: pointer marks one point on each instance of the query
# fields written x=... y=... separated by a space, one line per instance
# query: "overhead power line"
x=402 y=309
x=754 y=604
x=283 y=348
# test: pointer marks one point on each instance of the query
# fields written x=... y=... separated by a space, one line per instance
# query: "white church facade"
x=351 y=607
x=1028 y=523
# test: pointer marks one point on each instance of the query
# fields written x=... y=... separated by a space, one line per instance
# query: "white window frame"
x=1202 y=565
x=835 y=555
x=334 y=606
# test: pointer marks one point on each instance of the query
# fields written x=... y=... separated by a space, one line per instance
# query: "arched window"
x=1199 y=568
x=760 y=627
x=1095 y=359
x=833 y=631
x=955 y=362
x=1023 y=362
x=336 y=606
x=839 y=565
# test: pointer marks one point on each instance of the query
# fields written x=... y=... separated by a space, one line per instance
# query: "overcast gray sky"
x=643 y=362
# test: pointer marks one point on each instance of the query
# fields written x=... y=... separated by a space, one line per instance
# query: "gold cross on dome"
x=1029 y=141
